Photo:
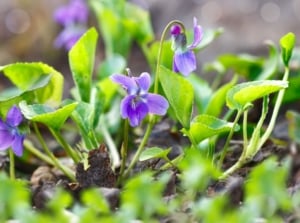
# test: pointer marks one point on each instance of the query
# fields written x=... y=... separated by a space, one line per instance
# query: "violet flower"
x=73 y=17
x=184 y=60
x=10 y=135
x=75 y=12
x=138 y=102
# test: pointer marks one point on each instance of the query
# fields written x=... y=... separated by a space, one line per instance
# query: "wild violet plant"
x=96 y=108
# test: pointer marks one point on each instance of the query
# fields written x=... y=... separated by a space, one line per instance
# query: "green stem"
x=11 y=164
x=156 y=81
x=245 y=135
x=124 y=149
x=56 y=163
x=233 y=168
x=140 y=148
x=278 y=102
x=111 y=146
x=65 y=145
x=29 y=147
x=163 y=36
x=225 y=148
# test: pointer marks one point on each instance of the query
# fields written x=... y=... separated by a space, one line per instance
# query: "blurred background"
x=27 y=30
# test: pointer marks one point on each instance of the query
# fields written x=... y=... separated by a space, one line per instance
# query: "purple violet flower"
x=69 y=36
x=10 y=135
x=75 y=12
x=184 y=60
x=138 y=102
x=73 y=17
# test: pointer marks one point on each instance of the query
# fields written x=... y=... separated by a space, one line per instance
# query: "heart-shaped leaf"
x=244 y=93
x=44 y=114
x=179 y=93
x=81 y=59
x=154 y=152
x=45 y=81
x=206 y=126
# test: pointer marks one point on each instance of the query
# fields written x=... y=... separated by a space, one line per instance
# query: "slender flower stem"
x=29 y=147
x=245 y=135
x=275 y=110
x=65 y=145
x=163 y=36
x=140 y=148
x=11 y=164
x=152 y=118
x=240 y=112
x=124 y=149
x=56 y=163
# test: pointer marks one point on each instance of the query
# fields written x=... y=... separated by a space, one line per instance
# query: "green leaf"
x=206 y=126
x=46 y=82
x=97 y=101
x=293 y=118
x=202 y=91
x=243 y=64
x=94 y=200
x=196 y=171
x=179 y=93
x=137 y=22
x=208 y=37
x=167 y=53
x=241 y=94
x=217 y=100
x=154 y=152
x=108 y=88
x=47 y=115
x=110 y=16
x=287 y=43
x=267 y=185
x=113 y=64
x=81 y=59
x=84 y=117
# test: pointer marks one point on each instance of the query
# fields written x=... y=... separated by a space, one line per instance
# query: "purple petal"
x=134 y=111
x=175 y=69
x=198 y=34
x=144 y=81
x=3 y=125
x=14 y=116
x=75 y=12
x=125 y=104
x=185 y=62
x=137 y=113
x=127 y=83
x=157 y=104
x=17 y=145
x=6 y=139
x=69 y=36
